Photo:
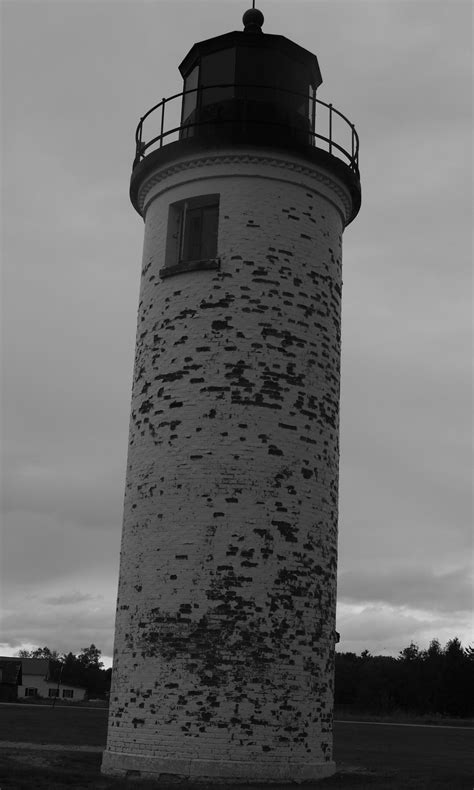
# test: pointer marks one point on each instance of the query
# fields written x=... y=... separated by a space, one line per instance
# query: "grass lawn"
x=45 y=724
x=367 y=755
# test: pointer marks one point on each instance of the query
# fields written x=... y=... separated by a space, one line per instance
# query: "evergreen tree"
x=436 y=680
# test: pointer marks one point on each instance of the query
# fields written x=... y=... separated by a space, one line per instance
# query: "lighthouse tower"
x=225 y=629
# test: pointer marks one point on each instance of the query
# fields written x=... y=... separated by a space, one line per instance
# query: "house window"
x=192 y=235
x=68 y=693
x=31 y=692
x=53 y=693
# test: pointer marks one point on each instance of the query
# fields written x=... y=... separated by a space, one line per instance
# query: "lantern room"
x=247 y=86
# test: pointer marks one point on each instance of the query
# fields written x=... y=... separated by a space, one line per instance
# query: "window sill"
x=190 y=266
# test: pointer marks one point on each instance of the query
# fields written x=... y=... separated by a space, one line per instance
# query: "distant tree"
x=436 y=680
x=435 y=650
x=39 y=652
x=458 y=685
x=410 y=653
x=72 y=670
x=411 y=680
x=433 y=660
x=346 y=682
x=375 y=691
x=90 y=657
x=454 y=648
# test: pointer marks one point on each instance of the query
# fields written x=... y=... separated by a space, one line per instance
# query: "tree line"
x=437 y=680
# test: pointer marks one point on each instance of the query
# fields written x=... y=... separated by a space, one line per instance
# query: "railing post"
x=162 y=121
x=138 y=140
x=330 y=128
x=313 y=117
x=138 y=143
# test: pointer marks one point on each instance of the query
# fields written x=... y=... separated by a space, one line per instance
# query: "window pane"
x=218 y=68
x=209 y=232
x=190 y=100
x=192 y=235
x=200 y=233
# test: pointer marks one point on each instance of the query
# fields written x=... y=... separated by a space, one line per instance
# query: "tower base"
x=213 y=771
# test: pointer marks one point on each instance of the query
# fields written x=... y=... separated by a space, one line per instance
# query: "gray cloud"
x=69 y=599
x=43 y=548
x=419 y=588
x=385 y=630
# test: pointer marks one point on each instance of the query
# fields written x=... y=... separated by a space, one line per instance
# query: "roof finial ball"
x=253 y=21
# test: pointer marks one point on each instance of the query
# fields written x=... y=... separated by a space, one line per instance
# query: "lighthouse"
x=225 y=623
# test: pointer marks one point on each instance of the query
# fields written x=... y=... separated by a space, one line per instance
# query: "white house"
x=37 y=681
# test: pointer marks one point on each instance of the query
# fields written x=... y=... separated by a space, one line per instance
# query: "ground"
x=374 y=756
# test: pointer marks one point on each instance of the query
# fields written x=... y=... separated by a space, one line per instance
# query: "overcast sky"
x=77 y=75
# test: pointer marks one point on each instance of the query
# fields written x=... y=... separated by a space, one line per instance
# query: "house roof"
x=35 y=666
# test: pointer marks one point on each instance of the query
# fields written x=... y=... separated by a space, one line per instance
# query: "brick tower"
x=225 y=629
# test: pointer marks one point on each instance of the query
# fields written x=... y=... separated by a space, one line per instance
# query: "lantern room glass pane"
x=190 y=99
x=218 y=68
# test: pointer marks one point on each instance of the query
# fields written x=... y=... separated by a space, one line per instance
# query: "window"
x=53 y=693
x=68 y=693
x=198 y=232
x=218 y=68
x=190 y=99
x=192 y=235
x=31 y=692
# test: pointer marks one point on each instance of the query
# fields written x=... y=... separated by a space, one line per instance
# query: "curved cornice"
x=158 y=171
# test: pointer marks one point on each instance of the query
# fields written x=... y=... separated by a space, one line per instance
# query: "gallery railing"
x=245 y=106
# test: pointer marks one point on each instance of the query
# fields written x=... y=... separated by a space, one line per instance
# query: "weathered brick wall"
x=223 y=661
